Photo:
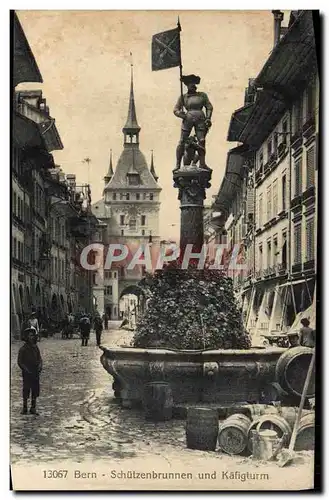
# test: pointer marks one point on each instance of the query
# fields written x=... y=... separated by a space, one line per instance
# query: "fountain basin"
x=221 y=377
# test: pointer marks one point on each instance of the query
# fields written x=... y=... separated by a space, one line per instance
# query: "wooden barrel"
x=201 y=428
x=291 y=370
x=158 y=401
x=233 y=434
x=306 y=433
x=270 y=421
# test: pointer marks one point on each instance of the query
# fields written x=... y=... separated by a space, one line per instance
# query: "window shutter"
x=310 y=167
x=250 y=201
x=310 y=239
x=298 y=177
x=298 y=243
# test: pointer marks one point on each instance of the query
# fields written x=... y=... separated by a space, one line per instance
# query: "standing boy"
x=30 y=362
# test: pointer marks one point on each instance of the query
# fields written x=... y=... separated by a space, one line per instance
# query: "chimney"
x=278 y=18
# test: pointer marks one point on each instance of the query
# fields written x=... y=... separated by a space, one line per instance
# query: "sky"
x=84 y=59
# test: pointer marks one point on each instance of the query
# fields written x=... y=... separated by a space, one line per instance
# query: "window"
x=121 y=196
x=284 y=249
x=122 y=232
x=108 y=290
x=260 y=160
x=297 y=243
x=132 y=224
x=275 y=249
x=260 y=210
x=310 y=100
x=298 y=116
x=107 y=275
x=269 y=203
x=94 y=279
x=143 y=220
x=269 y=148
x=260 y=257
x=144 y=196
x=298 y=177
x=275 y=143
x=115 y=275
x=284 y=132
x=269 y=253
x=14 y=203
x=137 y=196
x=275 y=197
x=284 y=191
x=143 y=232
x=114 y=196
x=310 y=239
x=133 y=179
x=310 y=167
x=122 y=220
x=151 y=196
x=15 y=248
x=127 y=196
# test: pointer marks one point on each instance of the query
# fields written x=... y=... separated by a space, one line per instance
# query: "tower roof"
x=131 y=125
x=110 y=170
x=132 y=161
x=152 y=169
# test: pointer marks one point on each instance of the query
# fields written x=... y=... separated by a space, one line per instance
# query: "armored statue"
x=189 y=108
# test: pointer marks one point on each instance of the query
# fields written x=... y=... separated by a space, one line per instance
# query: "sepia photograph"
x=164 y=244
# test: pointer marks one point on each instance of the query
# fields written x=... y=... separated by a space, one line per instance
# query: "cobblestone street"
x=80 y=421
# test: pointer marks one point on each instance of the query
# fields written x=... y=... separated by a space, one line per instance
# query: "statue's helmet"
x=191 y=80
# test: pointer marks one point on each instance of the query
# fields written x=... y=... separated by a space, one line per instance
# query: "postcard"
x=164 y=249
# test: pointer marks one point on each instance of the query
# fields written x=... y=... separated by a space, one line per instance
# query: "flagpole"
x=180 y=66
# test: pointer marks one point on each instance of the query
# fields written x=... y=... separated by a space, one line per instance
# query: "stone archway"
x=132 y=303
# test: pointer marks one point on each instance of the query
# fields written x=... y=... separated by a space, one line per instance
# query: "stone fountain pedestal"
x=191 y=183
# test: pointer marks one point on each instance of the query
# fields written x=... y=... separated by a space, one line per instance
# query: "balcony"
x=282 y=148
x=309 y=195
x=309 y=266
x=309 y=126
x=258 y=274
x=297 y=268
x=281 y=268
x=297 y=140
x=296 y=201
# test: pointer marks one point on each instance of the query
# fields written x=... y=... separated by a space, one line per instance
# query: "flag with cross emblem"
x=166 y=49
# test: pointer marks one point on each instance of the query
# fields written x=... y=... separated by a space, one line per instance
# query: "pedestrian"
x=85 y=330
x=30 y=362
x=306 y=334
x=106 y=321
x=33 y=322
x=98 y=325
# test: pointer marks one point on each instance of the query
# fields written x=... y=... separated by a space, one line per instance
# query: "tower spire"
x=131 y=127
x=152 y=169
x=110 y=172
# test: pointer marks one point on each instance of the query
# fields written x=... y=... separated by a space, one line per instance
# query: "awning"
x=25 y=68
x=238 y=121
x=309 y=313
x=232 y=178
x=26 y=133
x=290 y=59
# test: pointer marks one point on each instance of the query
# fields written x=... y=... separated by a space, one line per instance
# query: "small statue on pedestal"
x=193 y=102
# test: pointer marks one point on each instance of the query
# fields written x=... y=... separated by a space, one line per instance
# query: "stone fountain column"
x=192 y=183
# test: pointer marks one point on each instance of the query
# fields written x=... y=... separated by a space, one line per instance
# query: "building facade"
x=129 y=210
x=50 y=222
x=269 y=191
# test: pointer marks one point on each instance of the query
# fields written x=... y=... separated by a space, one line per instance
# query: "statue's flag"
x=166 y=49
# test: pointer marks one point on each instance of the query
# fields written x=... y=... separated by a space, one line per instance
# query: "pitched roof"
x=131 y=123
x=132 y=159
x=98 y=209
